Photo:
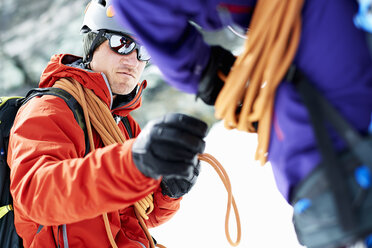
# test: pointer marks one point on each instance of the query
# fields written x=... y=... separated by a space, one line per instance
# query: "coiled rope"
x=98 y=115
x=249 y=91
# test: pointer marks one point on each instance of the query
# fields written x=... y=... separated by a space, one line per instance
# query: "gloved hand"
x=175 y=187
x=169 y=146
x=211 y=84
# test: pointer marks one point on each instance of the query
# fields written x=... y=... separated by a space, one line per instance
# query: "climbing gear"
x=97 y=114
x=99 y=18
x=8 y=109
x=99 y=15
x=333 y=205
x=123 y=44
x=249 y=91
x=9 y=237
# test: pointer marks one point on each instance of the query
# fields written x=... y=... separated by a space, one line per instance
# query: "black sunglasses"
x=124 y=45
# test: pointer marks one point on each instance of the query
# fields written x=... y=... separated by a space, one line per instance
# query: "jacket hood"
x=66 y=65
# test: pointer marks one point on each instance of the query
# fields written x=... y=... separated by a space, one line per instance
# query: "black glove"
x=169 y=146
x=175 y=187
x=211 y=84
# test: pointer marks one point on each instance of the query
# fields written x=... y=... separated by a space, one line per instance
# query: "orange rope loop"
x=230 y=199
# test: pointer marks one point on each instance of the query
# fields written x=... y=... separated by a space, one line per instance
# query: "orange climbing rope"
x=249 y=91
x=98 y=115
x=226 y=181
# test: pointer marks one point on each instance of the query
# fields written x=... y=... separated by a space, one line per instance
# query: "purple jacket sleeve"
x=175 y=46
x=332 y=53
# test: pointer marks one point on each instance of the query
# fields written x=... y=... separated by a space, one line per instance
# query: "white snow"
x=265 y=216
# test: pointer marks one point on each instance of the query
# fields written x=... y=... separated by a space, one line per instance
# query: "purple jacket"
x=332 y=53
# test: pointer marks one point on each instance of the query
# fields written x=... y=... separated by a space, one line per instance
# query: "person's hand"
x=177 y=187
x=169 y=146
x=210 y=85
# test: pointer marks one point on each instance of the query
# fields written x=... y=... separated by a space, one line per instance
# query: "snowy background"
x=266 y=218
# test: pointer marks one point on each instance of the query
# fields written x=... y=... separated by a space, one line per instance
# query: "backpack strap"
x=358 y=144
x=71 y=102
x=320 y=112
x=76 y=109
x=127 y=126
x=125 y=121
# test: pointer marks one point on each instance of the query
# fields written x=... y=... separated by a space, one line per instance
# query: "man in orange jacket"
x=55 y=183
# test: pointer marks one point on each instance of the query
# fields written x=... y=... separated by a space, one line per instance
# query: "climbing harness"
x=249 y=91
x=98 y=115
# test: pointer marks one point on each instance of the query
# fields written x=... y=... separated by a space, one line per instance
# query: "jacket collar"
x=66 y=65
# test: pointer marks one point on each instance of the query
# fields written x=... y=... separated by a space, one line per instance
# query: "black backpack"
x=333 y=205
x=9 y=107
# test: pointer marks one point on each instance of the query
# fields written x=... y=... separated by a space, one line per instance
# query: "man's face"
x=122 y=71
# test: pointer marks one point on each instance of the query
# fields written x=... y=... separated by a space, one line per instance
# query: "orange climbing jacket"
x=53 y=183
